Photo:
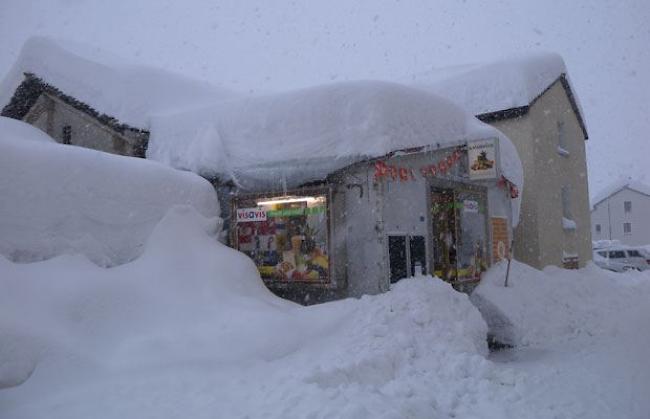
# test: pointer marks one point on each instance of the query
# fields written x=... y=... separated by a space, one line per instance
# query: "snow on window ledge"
x=568 y=224
x=563 y=151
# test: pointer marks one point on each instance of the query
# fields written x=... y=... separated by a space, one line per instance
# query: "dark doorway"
x=397 y=257
x=418 y=255
x=406 y=256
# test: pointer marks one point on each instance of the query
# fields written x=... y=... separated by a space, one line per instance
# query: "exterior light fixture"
x=289 y=199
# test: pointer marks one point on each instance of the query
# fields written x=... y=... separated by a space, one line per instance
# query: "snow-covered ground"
x=189 y=330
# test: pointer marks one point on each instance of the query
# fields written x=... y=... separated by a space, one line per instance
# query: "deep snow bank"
x=13 y=129
x=553 y=306
x=60 y=199
x=190 y=307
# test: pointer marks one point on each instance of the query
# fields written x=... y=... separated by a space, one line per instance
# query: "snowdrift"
x=59 y=199
x=189 y=330
x=191 y=316
x=554 y=306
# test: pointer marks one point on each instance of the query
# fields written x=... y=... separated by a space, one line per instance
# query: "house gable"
x=29 y=101
x=520 y=111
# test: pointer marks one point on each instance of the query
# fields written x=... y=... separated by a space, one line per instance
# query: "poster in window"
x=286 y=238
x=482 y=159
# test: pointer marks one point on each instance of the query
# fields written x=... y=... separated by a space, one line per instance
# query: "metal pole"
x=512 y=242
x=609 y=221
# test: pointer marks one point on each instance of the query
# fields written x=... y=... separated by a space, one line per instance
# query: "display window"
x=287 y=237
x=459 y=218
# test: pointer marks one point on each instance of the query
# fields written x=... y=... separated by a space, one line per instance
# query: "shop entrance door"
x=459 y=232
x=406 y=256
x=445 y=234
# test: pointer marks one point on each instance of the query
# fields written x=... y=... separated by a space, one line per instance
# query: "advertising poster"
x=286 y=238
x=482 y=159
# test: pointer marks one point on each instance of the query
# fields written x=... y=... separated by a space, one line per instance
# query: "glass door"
x=472 y=243
x=407 y=256
x=459 y=233
x=445 y=235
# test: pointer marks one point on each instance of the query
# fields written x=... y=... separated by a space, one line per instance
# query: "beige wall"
x=50 y=114
x=541 y=239
x=526 y=239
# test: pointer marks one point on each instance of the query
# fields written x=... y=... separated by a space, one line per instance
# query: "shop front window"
x=459 y=230
x=287 y=237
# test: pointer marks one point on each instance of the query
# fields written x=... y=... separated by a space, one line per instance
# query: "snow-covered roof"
x=319 y=130
x=623 y=183
x=129 y=93
x=497 y=86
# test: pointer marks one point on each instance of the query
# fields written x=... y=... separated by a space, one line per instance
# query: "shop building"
x=375 y=222
x=340 y=190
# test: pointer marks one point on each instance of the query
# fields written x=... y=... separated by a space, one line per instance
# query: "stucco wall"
x=526 y=235
x=50 y=114
x=612 y=209
x=541 y=239
x=555 y=171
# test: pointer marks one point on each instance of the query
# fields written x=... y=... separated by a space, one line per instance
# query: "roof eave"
x=520 y=111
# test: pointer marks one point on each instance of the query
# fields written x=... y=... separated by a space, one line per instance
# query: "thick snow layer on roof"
x=13 y=129
x=496 y=86
x=129 y=93
x=617 y=186
x=59 y=199
x=304 y=135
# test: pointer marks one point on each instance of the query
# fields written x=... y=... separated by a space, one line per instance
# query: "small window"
x=627 y=205
x=562 y=149
x=598 y=228
x=634 y=254
x=66 y=134
x=627 y=228
x=617 y=254
x=603 y=254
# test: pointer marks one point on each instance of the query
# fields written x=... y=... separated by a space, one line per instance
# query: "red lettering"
x=403 y=174
x=380 y=170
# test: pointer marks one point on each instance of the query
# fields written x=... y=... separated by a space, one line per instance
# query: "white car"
x=622 y=259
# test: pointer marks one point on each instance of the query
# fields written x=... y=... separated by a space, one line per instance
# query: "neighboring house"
x=531 y=100
x=83 y=97
x=622 y=212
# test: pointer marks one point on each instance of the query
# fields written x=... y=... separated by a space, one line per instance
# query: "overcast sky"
x=274 y=45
